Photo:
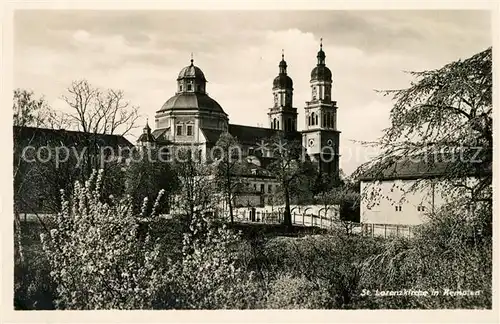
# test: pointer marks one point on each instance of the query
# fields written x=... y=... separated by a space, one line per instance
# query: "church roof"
x=250 y=134
x=282 y=81
x=192 y=100
x=415 y=168
x=192 y=72
x=322 y=73
x=212 y=135
x=60 y=137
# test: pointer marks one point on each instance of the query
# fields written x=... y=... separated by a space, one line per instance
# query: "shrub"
x=293 y=292
x=99 y=258
x=208 y=275
x=448 y=252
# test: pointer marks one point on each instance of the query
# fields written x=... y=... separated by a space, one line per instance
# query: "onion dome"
x=321 y=72
x=192 y=72
x=282 y=81
x=146 y=135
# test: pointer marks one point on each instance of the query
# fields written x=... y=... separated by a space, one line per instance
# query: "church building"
x=191 y=118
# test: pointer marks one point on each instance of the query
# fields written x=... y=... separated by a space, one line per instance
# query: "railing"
x=299 y=219
x=387 y=230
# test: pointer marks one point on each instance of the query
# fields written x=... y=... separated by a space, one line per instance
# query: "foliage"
x=229 y=164
x=448 y=252
x=196 y=191
x=330 y=262
x=28 y=110
x=293 y=171
x=146 y=175
x=445 y=117
x=33 y=287
x=98 y=257
x=207 y=276
x=295 y=292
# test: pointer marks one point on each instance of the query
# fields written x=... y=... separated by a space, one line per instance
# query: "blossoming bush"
x=99 y=257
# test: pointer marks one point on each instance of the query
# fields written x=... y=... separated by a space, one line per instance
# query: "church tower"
x=320 y=136
x=282 y=115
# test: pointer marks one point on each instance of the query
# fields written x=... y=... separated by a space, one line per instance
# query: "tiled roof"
x=159 y=134
x=212 y=135
x=249 y=134
x=192 y=100
x=415 y=168
x=46 y=136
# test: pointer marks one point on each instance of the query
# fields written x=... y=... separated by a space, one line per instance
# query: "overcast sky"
x=142 y=53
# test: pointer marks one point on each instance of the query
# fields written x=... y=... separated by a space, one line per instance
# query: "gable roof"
x=61 y=137
x=250 y=135
x=411 y=168
x=211 y=135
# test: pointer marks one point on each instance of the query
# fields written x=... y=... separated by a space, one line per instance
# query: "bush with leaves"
x=451 y=251
x=98 y=257
x=294 y=292
x=208 y=275
x=332 y=262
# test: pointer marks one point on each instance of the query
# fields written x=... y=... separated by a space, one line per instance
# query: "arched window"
x=277 y=124
x=312 y=118
x=274 y=123
x=316 y=120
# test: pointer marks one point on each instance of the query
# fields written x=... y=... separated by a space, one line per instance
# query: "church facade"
x=191 y=118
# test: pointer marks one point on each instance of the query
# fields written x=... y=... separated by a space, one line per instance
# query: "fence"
x=299 y=219
x=387 y=230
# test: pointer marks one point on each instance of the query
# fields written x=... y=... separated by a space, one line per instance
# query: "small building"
x=399 y=196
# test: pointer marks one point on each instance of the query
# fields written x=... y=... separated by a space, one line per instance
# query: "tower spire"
x=282 y=54
x=321 y=43
x=192 y=60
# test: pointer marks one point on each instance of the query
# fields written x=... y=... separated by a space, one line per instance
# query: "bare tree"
x=292 y=170
x=229 y=165
x=196 y=195
x=97 y=111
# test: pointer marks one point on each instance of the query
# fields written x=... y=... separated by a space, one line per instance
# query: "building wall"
x=394 y=202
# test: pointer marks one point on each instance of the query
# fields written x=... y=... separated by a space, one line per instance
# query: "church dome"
x=283 y=81
x=192 y=72
x=321 y=73
x=190 y=101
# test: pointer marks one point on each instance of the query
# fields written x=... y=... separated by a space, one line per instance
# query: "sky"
x=142 y=52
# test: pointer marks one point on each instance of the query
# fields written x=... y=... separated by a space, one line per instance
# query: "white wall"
x=380 y=198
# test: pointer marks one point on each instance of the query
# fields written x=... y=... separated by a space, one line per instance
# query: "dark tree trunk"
x=287 y=216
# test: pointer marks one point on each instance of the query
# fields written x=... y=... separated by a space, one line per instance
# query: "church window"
x=190 y=86
x=316 y=120
x=274 y=123
x=277 y=124
x=312 y=119
x=262 y=187
x=190 y=130
x=179 y=130
x=180 y=87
